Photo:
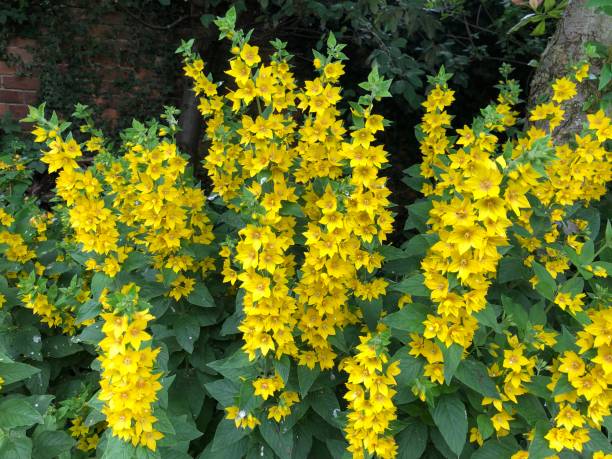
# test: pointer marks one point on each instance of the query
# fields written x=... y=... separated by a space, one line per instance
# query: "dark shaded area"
x=118 y=56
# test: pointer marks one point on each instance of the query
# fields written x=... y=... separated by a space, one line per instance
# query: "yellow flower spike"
x=128 y=385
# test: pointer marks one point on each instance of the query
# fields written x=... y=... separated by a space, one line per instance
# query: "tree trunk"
x=579 y=25
x=191 y=125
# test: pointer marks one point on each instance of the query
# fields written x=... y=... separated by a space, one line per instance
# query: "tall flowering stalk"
x=315 y=209
x=128 y=385
x=478 y=193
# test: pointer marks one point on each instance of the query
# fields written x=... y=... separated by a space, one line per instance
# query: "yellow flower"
x=241 y=417
x=266 y=387
x=476 y=436
x=500 y=421
x=250 y=55
x=563 y=89
x=582 y=72
x=569 y=418
x=61 y=155
x=334 y=70
x=572 y=365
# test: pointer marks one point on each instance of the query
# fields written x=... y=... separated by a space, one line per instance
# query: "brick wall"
x=112 y=64
x=17 y=92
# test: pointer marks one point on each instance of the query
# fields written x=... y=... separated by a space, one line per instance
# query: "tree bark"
x=579 y=25
x=191 y=125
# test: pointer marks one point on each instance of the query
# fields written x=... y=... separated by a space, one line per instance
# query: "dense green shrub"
x=269 y=317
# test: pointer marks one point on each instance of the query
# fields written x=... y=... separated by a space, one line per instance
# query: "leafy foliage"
x=143 y=318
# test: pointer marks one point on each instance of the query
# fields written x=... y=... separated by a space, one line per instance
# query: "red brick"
x=100 y=31
x=14 y=82
x=113 y=73
x=18 y=111
x=22 y=53
x=5 y=69
x=110 y=115
x=114 y=18
x=29 y=97
x=8 y=96
x=21 y=42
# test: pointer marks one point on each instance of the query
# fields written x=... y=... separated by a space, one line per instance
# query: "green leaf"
x=412 y=440
x=392 y=253
x=118 y=449
x=413 y=285
x=99 y=282
x=337 y=449
x=86 y=311
x=306 y=377
x=517 y=313
x=485 y=426
x=135 y=260
x=419 y=244
x=603 y=4
x=511 y=269
x=496 y=449
x=410 y=318
x=410 y=367
x=200 y=296
x=598 y=442
x=452 y=358
x=235 y=366
x=143 y=452
x=326 y=405
x=546 y=284
x=371 y=311
x=418 y=214
x=16 y=371
x=531 y=409
x=563 y=386
x=606 y=73
x=187 y=331
x=474 y=375
x=60 y=346
x=537 y=386
x=331 y=40
x=236 y=450
x=49 y=444
x=15 y=446
x=450 y=417
x=538 y=447
x=283 y=368
x=537 y=314
x=292 y=209
x=539 y=29
x=227 y=434
x=223 y=391
x=18 y=413
x=185 y=428
x=163 y=424
x=488 y=316
x=272 y=432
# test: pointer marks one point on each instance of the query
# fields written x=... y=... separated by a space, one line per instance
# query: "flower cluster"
x=272 y=163
x=87 y=437
x=469 y=216
x=56 y=309
x=282 y=158
x=370 y=390
x=128 y=385
x=477 y=195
